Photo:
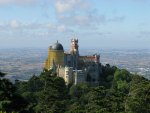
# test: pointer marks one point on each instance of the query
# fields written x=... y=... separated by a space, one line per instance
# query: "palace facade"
x=71 y=66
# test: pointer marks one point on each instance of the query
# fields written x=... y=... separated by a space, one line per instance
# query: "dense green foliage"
x=118 y=92
x=9 y=99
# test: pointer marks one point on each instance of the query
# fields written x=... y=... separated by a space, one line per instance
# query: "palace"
x=71 y=66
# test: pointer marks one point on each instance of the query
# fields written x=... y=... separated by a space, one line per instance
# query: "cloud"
x=18 y=2
x=117 y=19
x=71 y=16
x=70 y=13
x=88 y=20
x=144 y=34
x=2 y=2
x=63 y=6
x=77 y=14
x=61 y=28
x=14 y=24
x=142 y=1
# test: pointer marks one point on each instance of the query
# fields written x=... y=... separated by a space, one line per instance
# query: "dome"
x=57 y=46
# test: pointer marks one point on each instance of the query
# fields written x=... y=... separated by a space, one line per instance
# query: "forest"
x=118 y=91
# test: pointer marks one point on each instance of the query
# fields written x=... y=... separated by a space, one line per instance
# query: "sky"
x=98 y=24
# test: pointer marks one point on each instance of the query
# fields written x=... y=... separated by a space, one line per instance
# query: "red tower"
x=74 y=46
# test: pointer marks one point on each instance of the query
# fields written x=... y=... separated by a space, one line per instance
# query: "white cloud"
x=18 y=2
x=26 y=2
x=17 y=26
x=49 y=25
x=90 y=19
x=5 y=1
x=117 y=19
x=63 y=6
x=14 y=24
x=71 y=16
x=61 y=28
x=80 y=14
x=144 y=34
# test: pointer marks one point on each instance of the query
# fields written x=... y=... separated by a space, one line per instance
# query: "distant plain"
x=23 y=63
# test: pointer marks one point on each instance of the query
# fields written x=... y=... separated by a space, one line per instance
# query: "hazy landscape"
x=23 y=63
x=99 y=52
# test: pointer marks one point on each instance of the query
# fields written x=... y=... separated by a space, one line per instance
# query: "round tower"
x=55 y=56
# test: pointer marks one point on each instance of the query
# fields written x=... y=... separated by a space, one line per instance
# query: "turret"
x=74 y=46
x=75 y=53
x=97 y=58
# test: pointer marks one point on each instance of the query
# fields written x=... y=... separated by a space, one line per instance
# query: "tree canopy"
x=119 y=91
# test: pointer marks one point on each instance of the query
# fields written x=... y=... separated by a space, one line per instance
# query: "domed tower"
x=55 y=56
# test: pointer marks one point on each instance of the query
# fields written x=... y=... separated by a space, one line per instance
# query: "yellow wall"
x=54 y=56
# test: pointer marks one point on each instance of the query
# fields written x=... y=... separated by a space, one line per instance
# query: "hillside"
x=118 y=92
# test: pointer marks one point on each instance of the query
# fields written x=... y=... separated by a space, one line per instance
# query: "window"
x=67 y=72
